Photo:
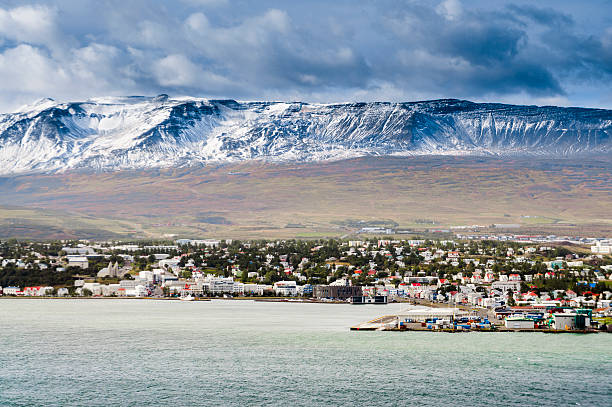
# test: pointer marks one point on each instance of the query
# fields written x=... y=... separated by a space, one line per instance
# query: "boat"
x=188 y=297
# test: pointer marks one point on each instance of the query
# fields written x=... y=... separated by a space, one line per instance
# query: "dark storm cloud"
x=556 y=52
x=470 y=53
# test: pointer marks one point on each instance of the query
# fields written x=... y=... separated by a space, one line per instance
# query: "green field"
x=257 y=200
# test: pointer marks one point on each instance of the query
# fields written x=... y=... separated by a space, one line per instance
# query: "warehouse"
x=519 y=322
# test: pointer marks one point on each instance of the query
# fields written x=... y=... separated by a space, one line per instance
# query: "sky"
x=523 y=52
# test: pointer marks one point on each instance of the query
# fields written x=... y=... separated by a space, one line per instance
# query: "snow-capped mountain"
x=144 y=132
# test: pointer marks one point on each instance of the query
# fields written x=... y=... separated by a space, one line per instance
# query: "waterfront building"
x=337 y=292
x=285 y=288
x=519 y=322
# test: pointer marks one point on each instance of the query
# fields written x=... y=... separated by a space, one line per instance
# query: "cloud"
x=207 y=3
x=28 y=69
x=316 y=51
x=450 y=9
x=544 y=16
x=177 y=71
x=30 y=24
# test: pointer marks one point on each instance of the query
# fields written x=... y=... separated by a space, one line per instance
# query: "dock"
x=450 y=320
x=384 y=323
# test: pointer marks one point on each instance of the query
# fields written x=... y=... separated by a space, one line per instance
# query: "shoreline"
x=257 y=299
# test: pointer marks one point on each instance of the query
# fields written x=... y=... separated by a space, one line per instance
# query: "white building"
x=219 y=285
x=11 y=290
x=257 y=289
x=602 y=247
x=172 y=264
x=285 y=288
x=519 y=323
x=504 y=286
x=77 y=261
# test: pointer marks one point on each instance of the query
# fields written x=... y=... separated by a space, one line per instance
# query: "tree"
x=511 y=301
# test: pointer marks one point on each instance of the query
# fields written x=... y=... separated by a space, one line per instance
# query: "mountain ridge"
x=133 y=132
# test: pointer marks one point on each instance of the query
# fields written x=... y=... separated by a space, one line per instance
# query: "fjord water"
x=144 y=352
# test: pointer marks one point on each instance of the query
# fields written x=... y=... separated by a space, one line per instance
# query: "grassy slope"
x=259 y=200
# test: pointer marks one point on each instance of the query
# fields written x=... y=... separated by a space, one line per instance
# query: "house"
x=570 y=294
x=504 y=286
x=452 y=255
x=11 y=291
x=37 y=291
x=305 y=289
x=62 y=292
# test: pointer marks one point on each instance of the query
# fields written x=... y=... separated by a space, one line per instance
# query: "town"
x=515 y=284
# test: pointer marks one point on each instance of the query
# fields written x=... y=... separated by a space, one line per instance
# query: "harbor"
x=455 y=320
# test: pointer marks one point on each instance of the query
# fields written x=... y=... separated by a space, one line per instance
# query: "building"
x=112 y=270
x=519 y=322
x=219 y=285
x=172 y=264
x=37 y=291
x=11 y=291
x=82 y=250
x=205 y=242
x=337 y=292
x=504 y=286
x=285 y=288
x=602 y=247
x=62 y=292
x=564 y=321
x=572 y=320
x=305 y=290
x=257 y=289
x=78 y=261
x=377 y=299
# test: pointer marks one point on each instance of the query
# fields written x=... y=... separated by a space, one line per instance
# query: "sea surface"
x=113 y=352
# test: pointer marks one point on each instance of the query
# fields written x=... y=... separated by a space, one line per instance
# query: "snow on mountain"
x=145 y=132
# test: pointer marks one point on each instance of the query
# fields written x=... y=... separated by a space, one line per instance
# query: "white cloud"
x=31 y=24
x=197 y=22
x=178 y=71
x=450 y=9
x=28 y=69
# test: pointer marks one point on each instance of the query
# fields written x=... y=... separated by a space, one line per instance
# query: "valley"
x=257 y=199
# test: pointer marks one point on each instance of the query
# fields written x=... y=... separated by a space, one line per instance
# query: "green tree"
x=511 y=301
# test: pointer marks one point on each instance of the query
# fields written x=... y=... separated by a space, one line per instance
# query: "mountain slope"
x=141 y=132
